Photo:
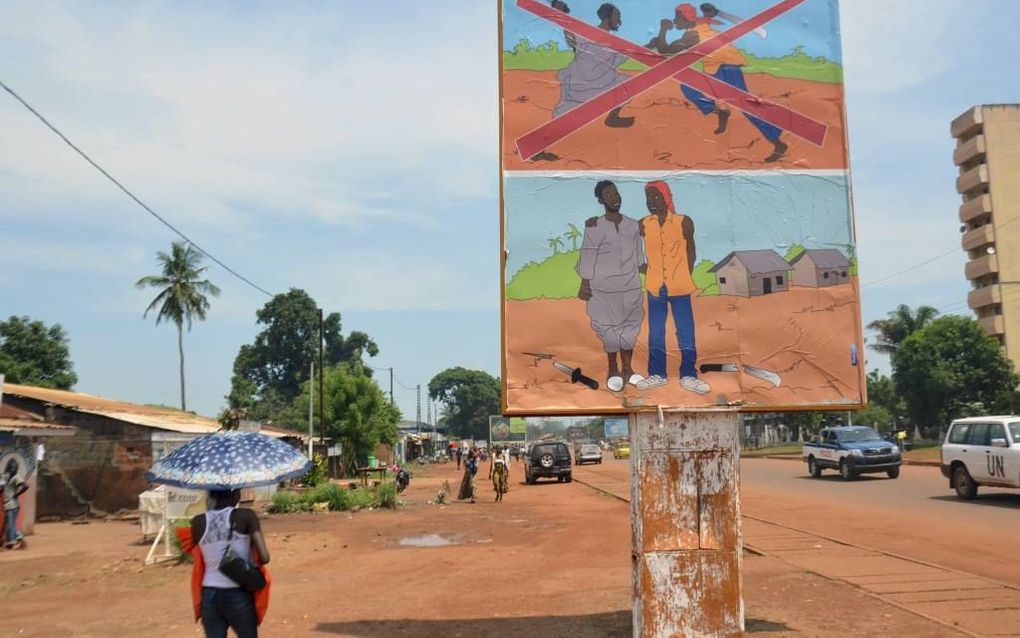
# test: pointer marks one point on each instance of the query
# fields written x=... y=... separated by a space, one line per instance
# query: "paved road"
x=916 y=515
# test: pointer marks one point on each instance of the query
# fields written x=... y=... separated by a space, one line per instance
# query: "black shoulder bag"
x=237 y=569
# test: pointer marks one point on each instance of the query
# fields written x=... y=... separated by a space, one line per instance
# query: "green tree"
x=358 y=413
x=470 y=397
x=269 y=372
x=898 y=325
x=948 y=368
x=32 y=354
x=182 y=293
x=555 y=243
x=885 y=406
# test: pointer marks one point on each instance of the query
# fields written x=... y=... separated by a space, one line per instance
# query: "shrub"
x=386 y=496
x=284 y=502
x=337 y=497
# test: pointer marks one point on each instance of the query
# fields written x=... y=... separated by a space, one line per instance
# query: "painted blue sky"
x=809 y=25
x=735 y=211
x=351 y=150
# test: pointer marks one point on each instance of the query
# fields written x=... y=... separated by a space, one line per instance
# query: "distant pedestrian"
x=500 y=474
x=13 y=488
x=460 y=453
x=467 y=484
x=226 y=528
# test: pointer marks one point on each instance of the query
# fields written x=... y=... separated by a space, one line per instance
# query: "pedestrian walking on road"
x=13 y=488
x=500 y=474
x=460 y=454
x=222 y=529
x=467 y=484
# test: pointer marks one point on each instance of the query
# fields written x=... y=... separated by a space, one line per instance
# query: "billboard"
x=676 y=215
x=507 y=429
x=617 y=428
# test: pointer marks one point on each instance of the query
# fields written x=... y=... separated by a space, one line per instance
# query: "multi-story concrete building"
x=988 y=154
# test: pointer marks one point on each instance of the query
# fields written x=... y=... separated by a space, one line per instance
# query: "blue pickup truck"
x=852 y=450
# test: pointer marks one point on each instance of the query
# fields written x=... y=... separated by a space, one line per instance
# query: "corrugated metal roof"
x=824 y=258
x=32 y=427
x=756 y=261
x=161 y=418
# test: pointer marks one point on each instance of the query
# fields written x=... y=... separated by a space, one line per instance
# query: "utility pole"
x=322 y=376
x=418 y=418
x=311 y=403
x=391 y=385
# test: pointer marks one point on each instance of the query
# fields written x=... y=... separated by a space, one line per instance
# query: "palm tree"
x=573 y=235
x=900 y=324
x=182 y=295
x=555 y=243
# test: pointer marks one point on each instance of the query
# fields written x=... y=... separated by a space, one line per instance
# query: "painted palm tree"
x=555 y=243
x=572 y=235
x=900 y=324
x=182 y=295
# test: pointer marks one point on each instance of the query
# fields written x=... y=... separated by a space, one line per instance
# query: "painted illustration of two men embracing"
x=615 y=251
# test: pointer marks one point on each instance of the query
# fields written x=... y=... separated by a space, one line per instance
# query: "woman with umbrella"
x=229 y=585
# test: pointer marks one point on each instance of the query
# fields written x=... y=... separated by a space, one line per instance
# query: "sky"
x=350 y=149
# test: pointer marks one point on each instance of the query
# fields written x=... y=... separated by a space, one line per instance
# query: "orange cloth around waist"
x=729 y=54
x=261 y=597
x=666 y=251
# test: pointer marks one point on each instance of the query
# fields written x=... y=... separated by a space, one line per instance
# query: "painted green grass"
x=795 y=66
x=556 y=278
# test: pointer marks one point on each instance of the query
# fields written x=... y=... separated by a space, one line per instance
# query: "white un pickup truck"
x=852 y=450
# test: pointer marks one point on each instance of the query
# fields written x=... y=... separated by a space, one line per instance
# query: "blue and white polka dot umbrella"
x=229 y=461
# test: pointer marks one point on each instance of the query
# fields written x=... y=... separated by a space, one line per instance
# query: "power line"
x=129 y=193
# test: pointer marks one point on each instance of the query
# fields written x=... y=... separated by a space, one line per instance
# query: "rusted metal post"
x=685 y=515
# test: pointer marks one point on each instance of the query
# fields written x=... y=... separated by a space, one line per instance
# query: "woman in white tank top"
x=224 y=603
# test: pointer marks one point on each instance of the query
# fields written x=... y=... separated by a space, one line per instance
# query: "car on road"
x=589 y=453
x=548 y=459
x=982 y=451
x=852 y=450
x=621 y=451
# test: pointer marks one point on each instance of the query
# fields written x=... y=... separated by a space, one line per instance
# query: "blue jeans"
x=732 y=75
x=234 y=608
x=683 y=318
x=11 y=525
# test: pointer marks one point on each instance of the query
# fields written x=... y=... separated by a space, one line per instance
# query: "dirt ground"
x=804 y=335
x=670 y=133
x=551 y=560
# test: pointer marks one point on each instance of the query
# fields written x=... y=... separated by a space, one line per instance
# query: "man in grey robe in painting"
x=612 y=255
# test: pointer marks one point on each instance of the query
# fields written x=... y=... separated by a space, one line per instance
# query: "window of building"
x=825 y=275
x=722 y=280
x=842 y=274
x=779 y=281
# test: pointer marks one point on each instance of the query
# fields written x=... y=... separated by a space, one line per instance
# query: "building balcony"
x=973 y=179
x=982 y=297
x=981 y=267
x=974 y=148
x=974 y=209
x=978 y=238
x=967 y=123
x=993 y=325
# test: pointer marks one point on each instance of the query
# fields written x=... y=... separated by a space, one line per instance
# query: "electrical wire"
x=129 y=193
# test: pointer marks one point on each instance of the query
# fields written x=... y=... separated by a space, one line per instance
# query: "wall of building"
x=101 y=468
x=1002 y=139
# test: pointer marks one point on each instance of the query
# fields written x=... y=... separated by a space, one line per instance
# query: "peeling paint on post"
x=685 y=515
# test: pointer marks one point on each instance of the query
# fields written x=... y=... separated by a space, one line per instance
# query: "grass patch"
x=337 y=498
x=796 y=65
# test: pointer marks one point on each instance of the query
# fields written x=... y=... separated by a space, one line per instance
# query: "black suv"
x=549 y=459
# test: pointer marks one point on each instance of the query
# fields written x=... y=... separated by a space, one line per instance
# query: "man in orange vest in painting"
x=725 y=65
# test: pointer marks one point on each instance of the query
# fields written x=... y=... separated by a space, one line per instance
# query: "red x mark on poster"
x=662 y=68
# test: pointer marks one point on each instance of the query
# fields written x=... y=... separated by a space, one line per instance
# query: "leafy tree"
x=269 y=372
x=359 y=415
x=470 y=398
x=555 y=243
x=950 y=368
x=898 y=325
x=572 y=236
x=32 y=354
x=182 y=296
x=885 y=406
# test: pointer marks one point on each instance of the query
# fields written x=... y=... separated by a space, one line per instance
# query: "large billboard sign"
x=677 y=222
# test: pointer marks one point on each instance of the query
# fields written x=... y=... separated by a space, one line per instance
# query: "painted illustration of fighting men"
x=670 y=253
x=611 y=257
x=726 y=65
x=593 y=71
x=571 y=39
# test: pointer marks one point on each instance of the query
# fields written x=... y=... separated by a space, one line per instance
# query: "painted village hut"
x=820 y=268
x=752 y=273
